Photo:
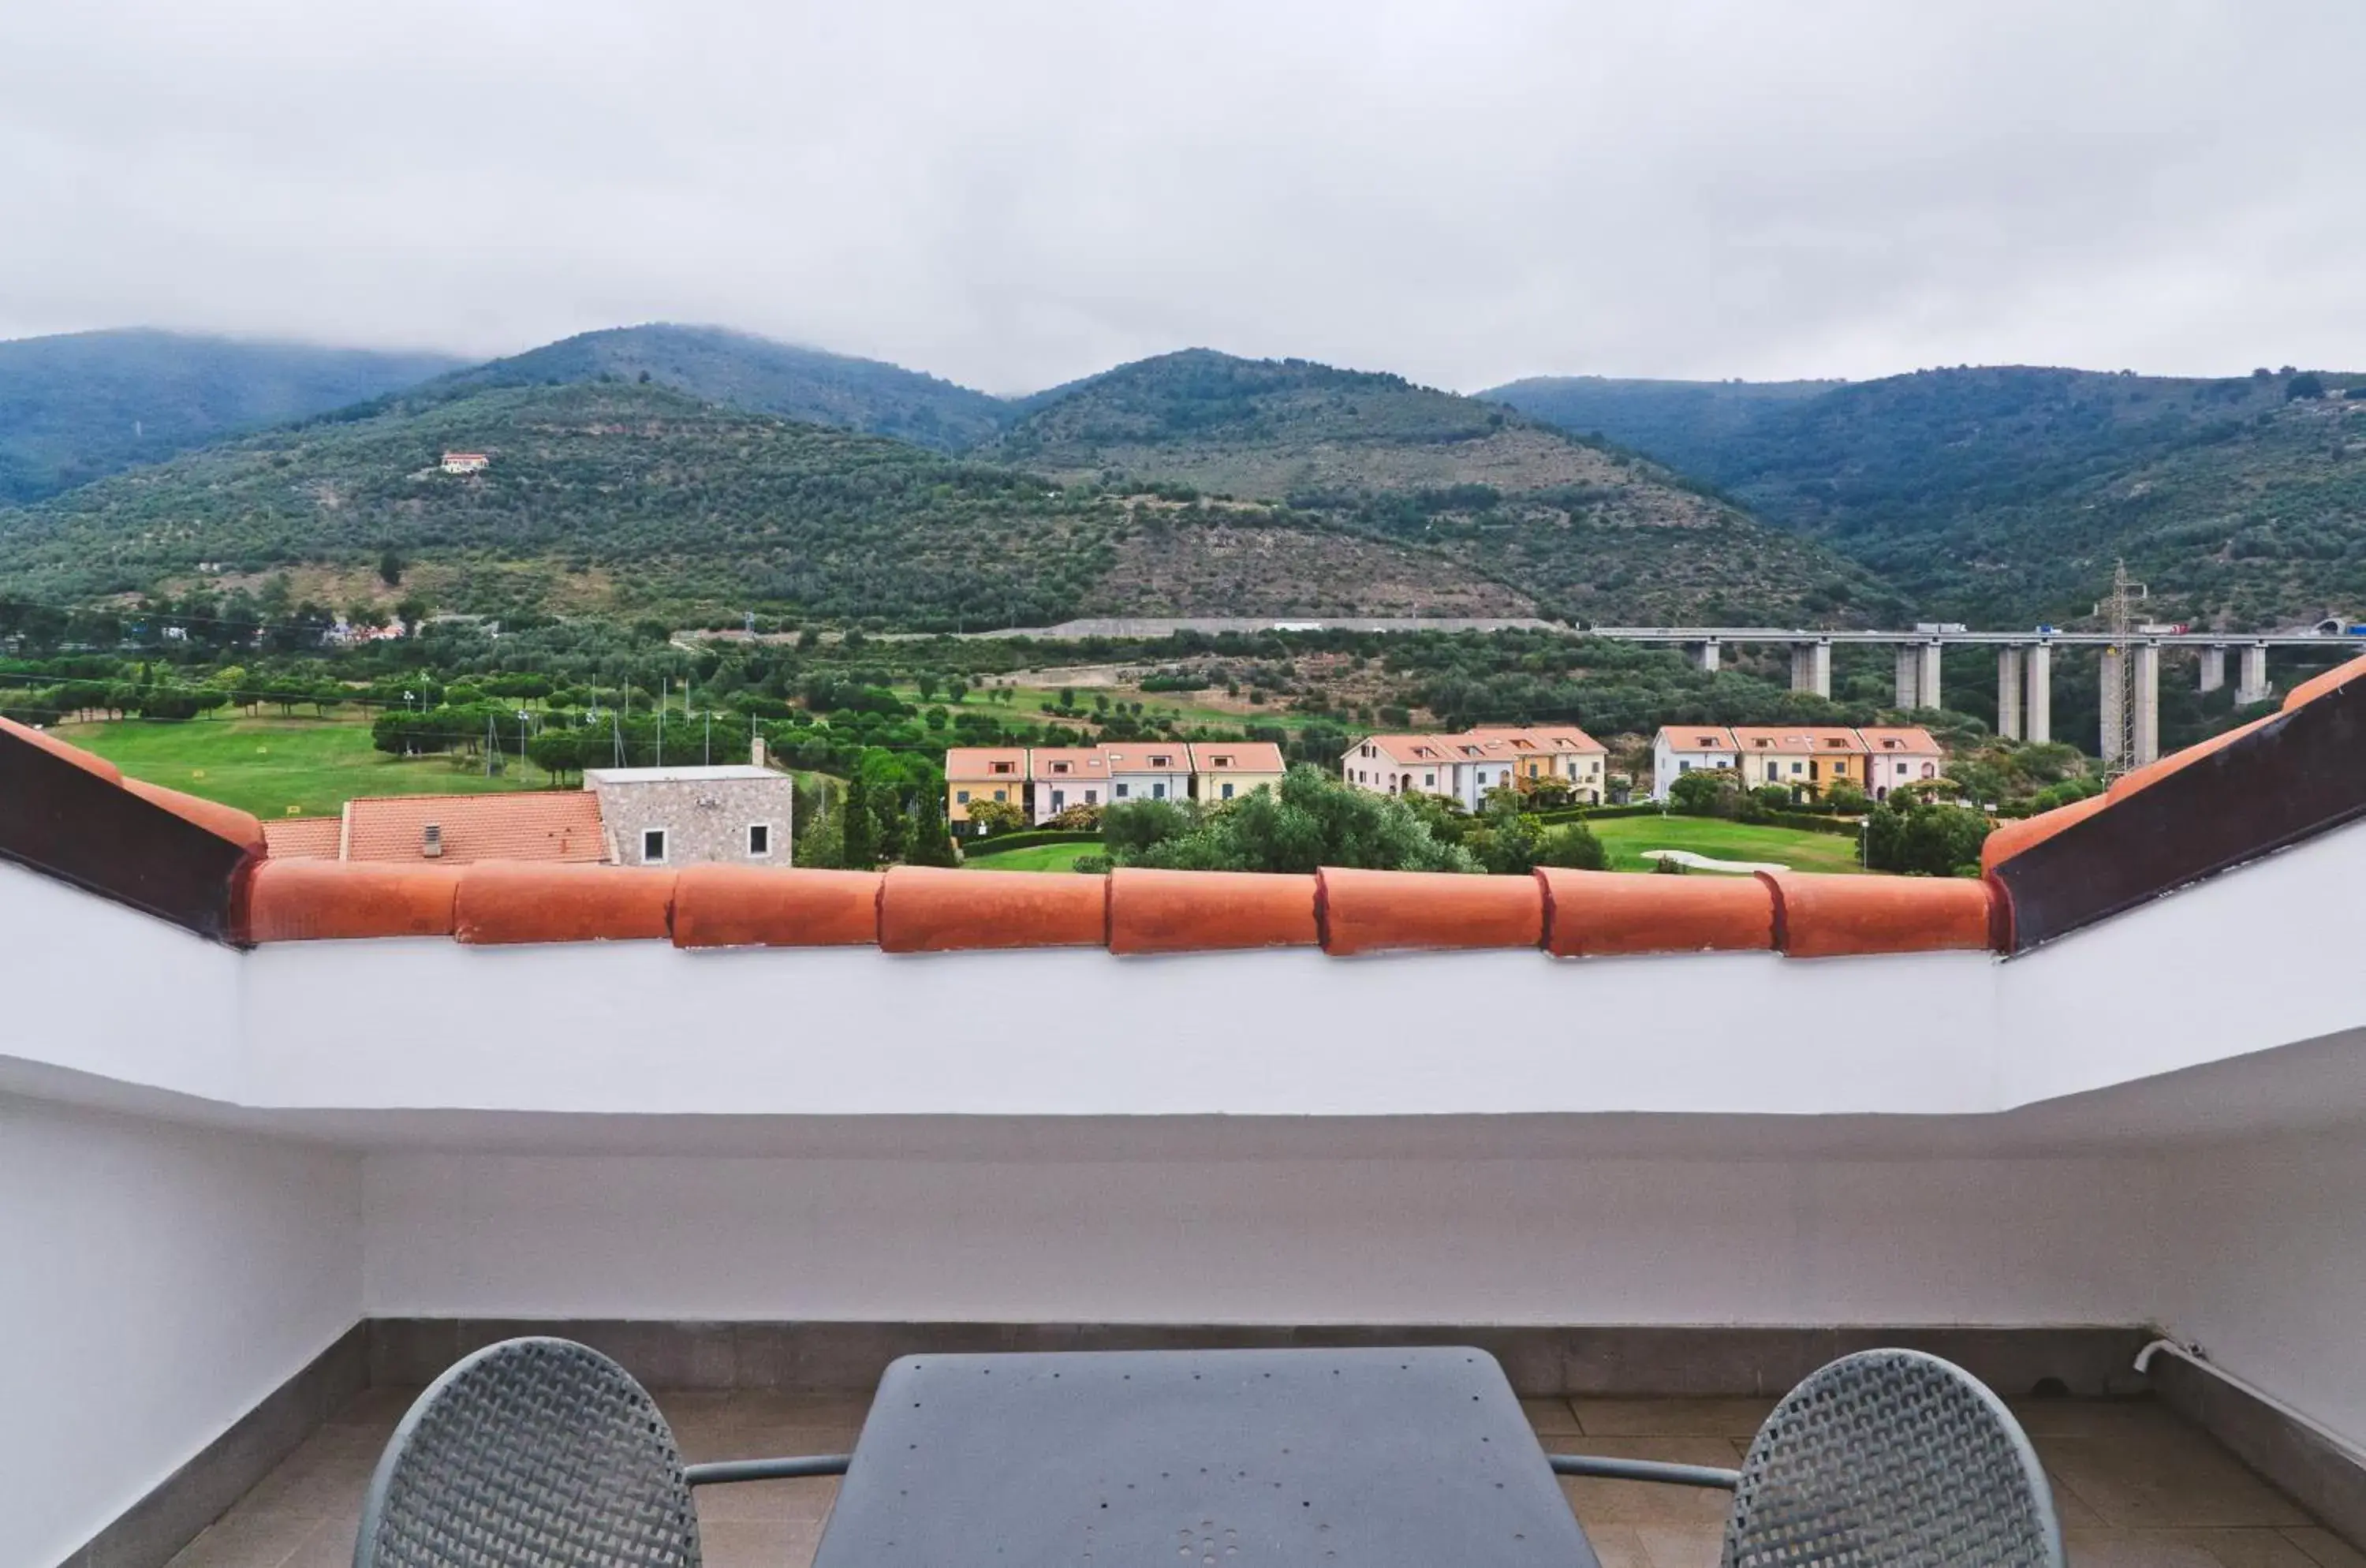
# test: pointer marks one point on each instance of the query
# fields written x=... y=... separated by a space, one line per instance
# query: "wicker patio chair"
x=542 y=1453
x=1885 y=1458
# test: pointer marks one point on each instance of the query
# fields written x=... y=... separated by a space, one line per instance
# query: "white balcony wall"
x=2265 y=1266
x=1263 y=1240
x=156 y=1282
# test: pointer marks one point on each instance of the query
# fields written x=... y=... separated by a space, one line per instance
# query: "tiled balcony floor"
x=2135 y=1484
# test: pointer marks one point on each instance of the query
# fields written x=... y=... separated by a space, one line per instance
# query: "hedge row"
x=984 y=848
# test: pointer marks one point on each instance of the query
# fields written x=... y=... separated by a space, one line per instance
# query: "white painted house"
x=1681 y=749
x=1148 y=770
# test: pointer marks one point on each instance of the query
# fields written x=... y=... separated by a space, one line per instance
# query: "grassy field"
x=1034 y=857
x=279 y=767
x=1627 y=837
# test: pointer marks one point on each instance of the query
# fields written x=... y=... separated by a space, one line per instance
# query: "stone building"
x=731 y=814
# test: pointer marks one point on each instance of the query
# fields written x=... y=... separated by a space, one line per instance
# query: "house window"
x=961 y=796
x=1001 y=767
x=653 y=846
x=1059 y=767
x=1091 y=796
x=1429 y=781
x=1158 y=790
x=1002 y=795
x=1228 y=791
x=1059 y=799
x=1220 y=761
x=760 y=840
x=1795 y=767
x=1121 y=791
x=1683 y=767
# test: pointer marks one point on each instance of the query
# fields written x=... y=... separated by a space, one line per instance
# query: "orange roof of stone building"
x=530 y=825
x=970 y=764
x=1794 y=739
x=1911 y=740
x=1237 y=757
x=1066 y=763
x=303 y=838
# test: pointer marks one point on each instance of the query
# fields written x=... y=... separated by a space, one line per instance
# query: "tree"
x=2305 y=386
x=858 y=834
x=992 y=816
x=1313 y=820
x=1572 y=846
x=390 y=566
x=1924 y=838
x=1706 y=791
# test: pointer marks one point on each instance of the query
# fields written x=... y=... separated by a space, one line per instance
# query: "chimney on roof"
x=756 y=750
x=431 y=840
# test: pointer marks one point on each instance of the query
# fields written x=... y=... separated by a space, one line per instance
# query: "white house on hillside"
x=1148 y=770
x=1679 y=750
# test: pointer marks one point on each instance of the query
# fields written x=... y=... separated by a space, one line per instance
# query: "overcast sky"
x=1012 y=193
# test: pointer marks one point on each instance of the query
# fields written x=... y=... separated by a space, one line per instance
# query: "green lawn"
x=279 y=767
x=1627 y=837
x=1034 y=857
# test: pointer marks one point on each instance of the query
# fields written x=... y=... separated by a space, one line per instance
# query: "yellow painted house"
x=1805 y=759
x=1226 y=770
x=984 y=772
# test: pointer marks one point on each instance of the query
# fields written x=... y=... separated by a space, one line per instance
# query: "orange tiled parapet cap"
x=1131 y=911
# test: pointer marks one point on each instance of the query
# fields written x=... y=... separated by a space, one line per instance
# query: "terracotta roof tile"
x=753 y=905
x=968 y=763
x=529 y=825
x=1592 y=914
x=1237 y=757
x=1183 y=911
x=1831 y=915
x=929 y=909
x=302 y=900
x=1379 y=911
x=508 y=901
x=303 y=837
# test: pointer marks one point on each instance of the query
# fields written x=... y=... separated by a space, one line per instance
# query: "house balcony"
x=279 y=1143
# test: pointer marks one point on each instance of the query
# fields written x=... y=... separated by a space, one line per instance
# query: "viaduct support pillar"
x=2213 y=668
x=2146 y=728
x=2115 y=684
x=1910 y=674
x=1705 y=656
x=1927 y=694
x=1811 y=667
x=2037 y=714
x=2251 y=676
x=2009 y=679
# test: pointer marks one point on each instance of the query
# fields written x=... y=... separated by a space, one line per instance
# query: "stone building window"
x=760 y=840
x=653 y=846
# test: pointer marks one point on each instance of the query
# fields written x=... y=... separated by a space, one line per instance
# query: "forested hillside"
x=743 y=371
x=627 y=498
x=81 y=406
x=2003 y=495
x=1587 y=532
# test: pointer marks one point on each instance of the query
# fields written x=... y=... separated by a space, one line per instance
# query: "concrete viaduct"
x=2025 y=668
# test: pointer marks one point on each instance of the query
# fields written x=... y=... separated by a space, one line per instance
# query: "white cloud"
x=1015 y=194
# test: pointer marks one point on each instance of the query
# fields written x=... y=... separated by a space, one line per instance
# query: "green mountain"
x=1579 y=529
x=621 y=497
x=78 y=407
x=2003 y=494
x=757 y=374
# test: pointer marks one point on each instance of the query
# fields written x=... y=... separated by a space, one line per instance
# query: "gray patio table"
x=1200 y=1459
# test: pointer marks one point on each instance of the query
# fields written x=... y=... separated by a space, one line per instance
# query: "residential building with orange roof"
x=1681 y=749
x=984 y=772
x=1896 y=756
x=1062 y=776
x=1399 y=764
x=1561 y=751
x=461 y=830
x=1226 y=770
x=1147 y=770
x=1807 y=759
